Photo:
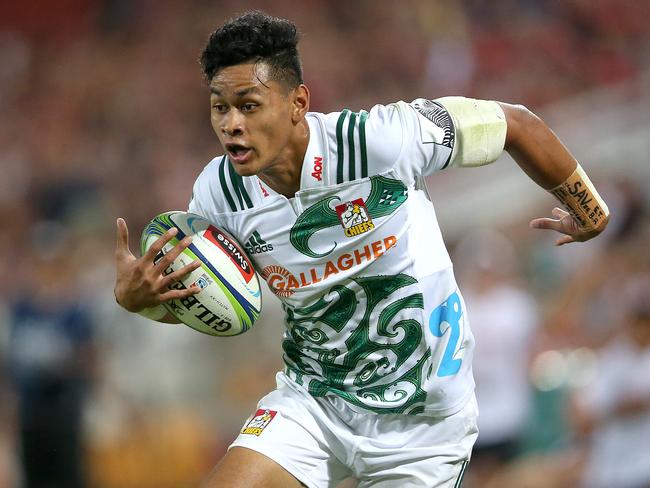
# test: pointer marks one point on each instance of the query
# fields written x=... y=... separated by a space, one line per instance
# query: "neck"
x=284 y=175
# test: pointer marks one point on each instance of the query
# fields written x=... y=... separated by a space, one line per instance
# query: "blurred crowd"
x=105 y=114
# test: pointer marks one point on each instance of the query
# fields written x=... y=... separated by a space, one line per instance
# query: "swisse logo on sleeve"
x=317 y=173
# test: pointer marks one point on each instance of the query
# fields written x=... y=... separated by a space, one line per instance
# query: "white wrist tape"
x=154 y=313
x=480 y=130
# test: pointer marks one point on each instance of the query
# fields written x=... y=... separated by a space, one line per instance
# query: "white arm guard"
x=480 y=130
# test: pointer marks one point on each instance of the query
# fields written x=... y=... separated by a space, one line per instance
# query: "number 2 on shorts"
x=444 y=317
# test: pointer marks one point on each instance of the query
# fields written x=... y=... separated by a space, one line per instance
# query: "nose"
x=232 y=123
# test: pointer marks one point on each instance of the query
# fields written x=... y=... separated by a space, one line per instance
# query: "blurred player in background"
x=378 y=380
x=614 y=410
x=52 y=358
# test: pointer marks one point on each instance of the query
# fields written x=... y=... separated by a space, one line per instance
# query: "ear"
x=300 y=103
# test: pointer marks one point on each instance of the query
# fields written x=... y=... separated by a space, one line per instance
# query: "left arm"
x=543 y=157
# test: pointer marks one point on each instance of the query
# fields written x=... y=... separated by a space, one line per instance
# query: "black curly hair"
x=255 y=37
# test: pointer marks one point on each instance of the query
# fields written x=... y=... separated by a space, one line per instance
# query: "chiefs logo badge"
x=259 y=421
x=354 y=217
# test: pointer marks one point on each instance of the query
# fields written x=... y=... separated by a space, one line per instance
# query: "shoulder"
x=209 y=170
x=201 y=191
x=219 y=189
x=364 y=142
x=381 y=119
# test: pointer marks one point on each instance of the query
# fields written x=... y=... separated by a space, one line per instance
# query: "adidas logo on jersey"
x=256 y=245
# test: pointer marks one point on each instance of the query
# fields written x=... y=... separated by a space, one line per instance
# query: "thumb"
x=545 y=223
x=122 y=241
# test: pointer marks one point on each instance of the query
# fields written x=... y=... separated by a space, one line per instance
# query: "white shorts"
x=321 y=441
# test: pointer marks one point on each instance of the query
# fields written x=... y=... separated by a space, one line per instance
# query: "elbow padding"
x=480 y=130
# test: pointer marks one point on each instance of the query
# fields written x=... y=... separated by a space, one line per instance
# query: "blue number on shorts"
x=444 y=317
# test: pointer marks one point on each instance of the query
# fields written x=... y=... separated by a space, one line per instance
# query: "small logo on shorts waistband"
x=258 y=423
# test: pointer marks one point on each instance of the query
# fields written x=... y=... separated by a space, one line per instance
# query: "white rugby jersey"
x=373 y=312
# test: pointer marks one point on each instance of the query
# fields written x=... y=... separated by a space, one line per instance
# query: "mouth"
x=238 y=153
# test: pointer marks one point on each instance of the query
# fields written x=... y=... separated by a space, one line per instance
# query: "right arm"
x=140 y=285
x=483 y=128
x=546 y=161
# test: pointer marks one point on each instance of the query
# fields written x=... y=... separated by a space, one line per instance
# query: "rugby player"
x=377 y=381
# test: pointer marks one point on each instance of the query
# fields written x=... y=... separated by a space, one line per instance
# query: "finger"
x=122 y=244
x=157 y=246
x=564 y=240
x=546 y=223
x=176 y=294
x=171 y=256
x=179 y=274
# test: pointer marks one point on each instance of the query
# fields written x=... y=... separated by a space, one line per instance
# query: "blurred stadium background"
x=105 y=114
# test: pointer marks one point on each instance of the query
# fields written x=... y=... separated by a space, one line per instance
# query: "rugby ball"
x=230 y=299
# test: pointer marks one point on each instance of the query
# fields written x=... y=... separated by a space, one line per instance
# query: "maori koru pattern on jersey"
x=374 y=363
x=437 y=114
x=386 y=195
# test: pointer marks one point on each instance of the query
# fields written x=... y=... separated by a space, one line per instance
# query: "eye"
x=248 y=107
x=219 y=107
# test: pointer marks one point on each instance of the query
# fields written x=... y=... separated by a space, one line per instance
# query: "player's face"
x=254 y=117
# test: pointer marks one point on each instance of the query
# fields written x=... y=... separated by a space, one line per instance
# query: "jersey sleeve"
x=418 y=138
x=204 y=201
x=397 y=139
x=195 y=206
